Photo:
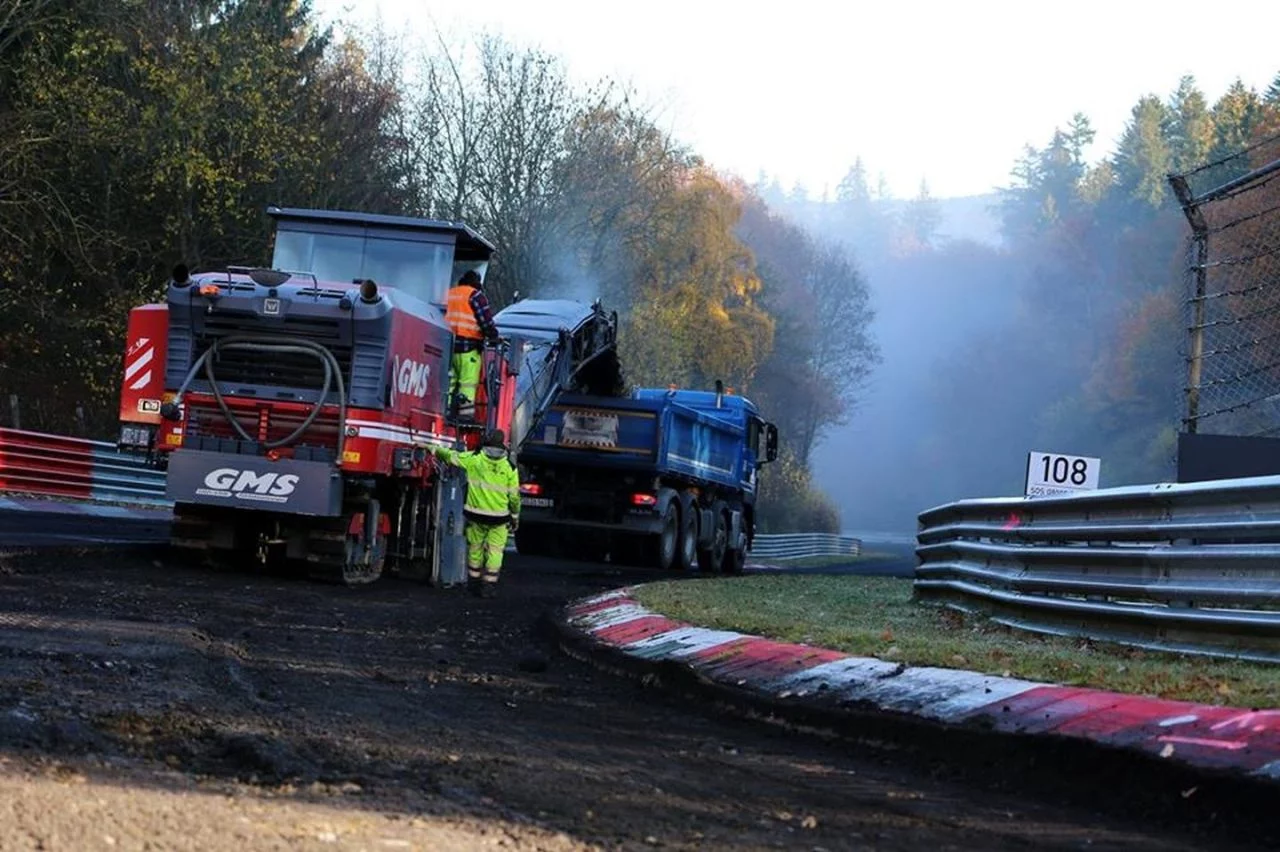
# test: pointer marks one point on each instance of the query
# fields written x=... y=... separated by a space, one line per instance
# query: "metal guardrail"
x=1192 y=568
x=75 y=468
x=60 y=466
x=801 y=545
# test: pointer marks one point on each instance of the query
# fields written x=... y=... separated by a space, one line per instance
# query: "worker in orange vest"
x=470 y=318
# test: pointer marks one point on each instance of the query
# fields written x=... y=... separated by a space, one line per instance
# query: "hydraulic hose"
x=280 y=349
x=273 y=345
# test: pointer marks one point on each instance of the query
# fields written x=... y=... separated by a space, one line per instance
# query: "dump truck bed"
x=657 y=434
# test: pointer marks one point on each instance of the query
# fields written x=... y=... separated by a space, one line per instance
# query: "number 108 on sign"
x=1054 y=473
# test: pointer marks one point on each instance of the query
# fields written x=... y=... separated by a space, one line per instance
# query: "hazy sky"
x=946 y=91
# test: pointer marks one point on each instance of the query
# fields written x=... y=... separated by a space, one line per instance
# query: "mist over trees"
x=909 y=356
x=135 y=135
x=1066 y=334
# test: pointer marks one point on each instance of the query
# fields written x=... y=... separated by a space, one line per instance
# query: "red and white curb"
x=1200 y=735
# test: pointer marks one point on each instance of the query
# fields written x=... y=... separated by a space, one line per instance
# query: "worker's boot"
x=489 y=589
x=474 y=586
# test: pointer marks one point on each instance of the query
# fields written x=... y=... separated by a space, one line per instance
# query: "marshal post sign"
x=1052 y=474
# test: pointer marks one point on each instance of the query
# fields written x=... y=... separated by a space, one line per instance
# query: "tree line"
x=135 y=134
x=1070 y=334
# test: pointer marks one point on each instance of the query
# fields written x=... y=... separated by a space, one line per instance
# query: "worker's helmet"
x=470 y=277
x=496 y=438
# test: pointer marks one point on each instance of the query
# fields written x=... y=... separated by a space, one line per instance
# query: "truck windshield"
x=418 y=268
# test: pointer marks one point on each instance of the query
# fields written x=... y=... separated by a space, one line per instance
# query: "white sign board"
x=1049 y=474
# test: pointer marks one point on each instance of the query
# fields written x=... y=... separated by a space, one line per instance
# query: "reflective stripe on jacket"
x=493 y=486
x=459 y=314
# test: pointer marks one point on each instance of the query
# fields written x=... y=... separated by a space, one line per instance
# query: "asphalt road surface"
x=147 y=701
x=48 y=529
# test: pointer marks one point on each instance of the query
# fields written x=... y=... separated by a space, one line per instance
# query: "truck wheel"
x=734 y=561
x=531 y=541
x=687 y=540
x=666 y=543
x=590 y=548
x=712 y=557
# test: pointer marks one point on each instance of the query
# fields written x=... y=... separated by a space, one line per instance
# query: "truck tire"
x=687 y=541
x=711 y=558
x=664 y=546
x=531 y=541
x=734 y=562
x=590 y=548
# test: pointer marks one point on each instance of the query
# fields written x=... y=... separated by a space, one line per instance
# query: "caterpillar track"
x=321 y=549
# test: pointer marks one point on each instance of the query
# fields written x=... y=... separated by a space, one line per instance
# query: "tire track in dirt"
x=400 y=702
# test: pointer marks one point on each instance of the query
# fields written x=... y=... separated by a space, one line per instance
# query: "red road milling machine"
x=294 y=407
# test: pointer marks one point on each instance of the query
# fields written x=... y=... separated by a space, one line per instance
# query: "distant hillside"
x=970 y=218
x=966 y=218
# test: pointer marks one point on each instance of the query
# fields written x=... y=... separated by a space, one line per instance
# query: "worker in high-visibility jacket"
x=492 y=508
x=470 y=318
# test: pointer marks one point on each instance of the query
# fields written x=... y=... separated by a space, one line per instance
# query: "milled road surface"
x=148 y=704
x=47 y=529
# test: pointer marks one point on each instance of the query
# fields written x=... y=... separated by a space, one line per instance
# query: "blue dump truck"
x=665 y=478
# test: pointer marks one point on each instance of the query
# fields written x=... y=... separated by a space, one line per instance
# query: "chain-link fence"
x=1233 y=310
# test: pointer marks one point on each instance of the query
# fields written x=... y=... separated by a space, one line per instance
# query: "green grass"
x=874 y=617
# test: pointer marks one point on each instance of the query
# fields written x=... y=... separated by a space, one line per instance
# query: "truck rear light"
x=532 y=489
x=644 y=500
x=135 y=436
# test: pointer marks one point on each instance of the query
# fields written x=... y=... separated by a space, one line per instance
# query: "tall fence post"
x=1200 y=271
x=1233 y=325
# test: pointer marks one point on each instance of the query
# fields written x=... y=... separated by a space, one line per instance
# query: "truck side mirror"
x=770 y=442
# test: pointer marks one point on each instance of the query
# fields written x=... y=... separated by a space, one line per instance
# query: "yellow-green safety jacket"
x=493 y=486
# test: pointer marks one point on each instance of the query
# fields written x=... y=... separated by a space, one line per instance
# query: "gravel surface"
x=147 y=704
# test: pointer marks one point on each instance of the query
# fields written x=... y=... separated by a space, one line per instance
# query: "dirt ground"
x=147 y=704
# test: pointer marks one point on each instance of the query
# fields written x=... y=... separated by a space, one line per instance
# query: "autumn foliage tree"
x=137 y=135
x=150 y=134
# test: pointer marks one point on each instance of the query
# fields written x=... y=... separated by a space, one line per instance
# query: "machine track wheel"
x=206 y=539
x=351 y=550
x=190 y=531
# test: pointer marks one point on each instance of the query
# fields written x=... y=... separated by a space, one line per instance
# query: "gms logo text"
x=267 y=487
x=410 y=377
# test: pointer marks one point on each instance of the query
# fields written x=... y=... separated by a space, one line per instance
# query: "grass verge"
x=874 y=617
